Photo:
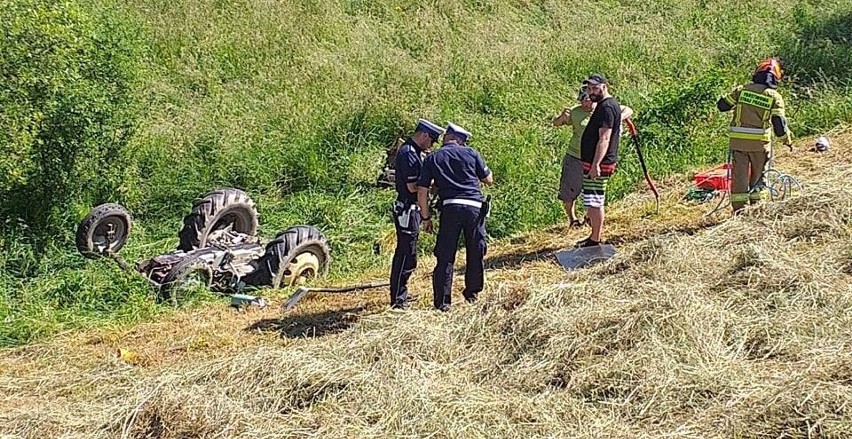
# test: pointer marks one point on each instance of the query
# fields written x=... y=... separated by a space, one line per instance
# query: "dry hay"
x=743 y=329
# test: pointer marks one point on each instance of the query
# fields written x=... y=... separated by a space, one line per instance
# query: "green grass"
x=295 y=102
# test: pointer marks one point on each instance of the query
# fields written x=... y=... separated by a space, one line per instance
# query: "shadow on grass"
x=311 y=325
x=688 y=229
x=515 y=260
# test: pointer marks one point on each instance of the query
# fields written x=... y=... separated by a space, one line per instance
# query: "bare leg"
x=596 y=217
x=569 y=210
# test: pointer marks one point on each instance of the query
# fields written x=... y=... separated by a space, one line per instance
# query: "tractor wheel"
x=185 y=277
x=295 y=255
x=217 y=210
x=104 y=230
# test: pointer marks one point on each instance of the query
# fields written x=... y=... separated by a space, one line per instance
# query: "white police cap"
x=458 y=131
x=429 y=128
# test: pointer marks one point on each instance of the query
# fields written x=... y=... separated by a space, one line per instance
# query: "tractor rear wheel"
x=294 y=256
x=215 y=211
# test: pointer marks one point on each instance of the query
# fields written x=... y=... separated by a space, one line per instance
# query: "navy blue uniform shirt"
x=407 y=170
x=457 y=171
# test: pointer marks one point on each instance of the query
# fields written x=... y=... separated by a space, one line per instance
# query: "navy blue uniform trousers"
x=455 y=220
x=404 y=257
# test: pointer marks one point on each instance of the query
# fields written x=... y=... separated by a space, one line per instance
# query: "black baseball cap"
x=595 y=79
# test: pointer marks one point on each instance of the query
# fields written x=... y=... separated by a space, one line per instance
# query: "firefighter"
x=406 y=218
x=758 y=112
x=457 y=171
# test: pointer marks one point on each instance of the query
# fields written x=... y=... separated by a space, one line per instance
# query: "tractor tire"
x=216 y=210
x=104 y=230
x=296 y=254
x=186 y=275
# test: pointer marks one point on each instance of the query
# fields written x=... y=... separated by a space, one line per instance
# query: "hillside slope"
x=296 y=101
x=698 y=328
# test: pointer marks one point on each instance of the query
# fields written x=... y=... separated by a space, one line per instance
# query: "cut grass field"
x=698 y=328
x=295 y=102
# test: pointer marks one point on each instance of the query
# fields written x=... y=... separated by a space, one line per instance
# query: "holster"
x=397 y=208
x=402 y=213
x=485 y=210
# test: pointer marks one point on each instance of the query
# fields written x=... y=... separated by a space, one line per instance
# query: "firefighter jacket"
x=757 y=109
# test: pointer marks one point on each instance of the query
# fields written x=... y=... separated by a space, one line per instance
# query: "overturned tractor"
x=218 y=248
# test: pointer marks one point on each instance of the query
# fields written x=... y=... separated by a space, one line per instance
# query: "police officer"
x=758 y=113
x=406 y=219
x=456 y=171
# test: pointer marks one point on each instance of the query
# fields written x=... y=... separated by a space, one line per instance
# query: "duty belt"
x=474 y=203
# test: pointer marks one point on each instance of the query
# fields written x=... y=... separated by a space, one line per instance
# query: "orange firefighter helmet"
x=771 y=65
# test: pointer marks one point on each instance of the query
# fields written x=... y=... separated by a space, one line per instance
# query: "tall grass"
x=296 y=101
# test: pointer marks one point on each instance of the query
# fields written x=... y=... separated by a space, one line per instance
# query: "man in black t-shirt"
x=599 y=153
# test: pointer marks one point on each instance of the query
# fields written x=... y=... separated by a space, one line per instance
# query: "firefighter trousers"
x=746 y=173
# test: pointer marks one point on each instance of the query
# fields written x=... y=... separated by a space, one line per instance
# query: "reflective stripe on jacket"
x=753 y=105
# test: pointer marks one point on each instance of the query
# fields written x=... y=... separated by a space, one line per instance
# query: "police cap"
x=429 y=128
x=458 y=131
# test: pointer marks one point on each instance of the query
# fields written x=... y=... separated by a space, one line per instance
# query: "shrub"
x=65 y=110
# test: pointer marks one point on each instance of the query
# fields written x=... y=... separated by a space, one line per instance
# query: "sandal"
x=588 y=242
